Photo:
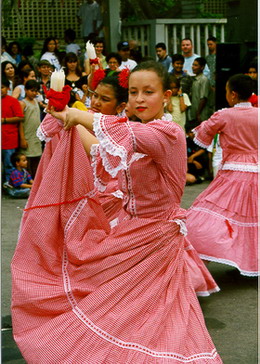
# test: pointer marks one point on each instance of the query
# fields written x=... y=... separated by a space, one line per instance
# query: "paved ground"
x=231 y=314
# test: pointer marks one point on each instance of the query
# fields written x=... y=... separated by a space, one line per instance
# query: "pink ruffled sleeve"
x=122 y=141
x=116 y=146
x=205 y=132
x=48 y=128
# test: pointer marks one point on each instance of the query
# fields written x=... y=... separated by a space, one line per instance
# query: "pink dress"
x=223 y=221
x=84 y=292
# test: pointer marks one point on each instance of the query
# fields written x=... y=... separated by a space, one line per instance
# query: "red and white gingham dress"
x=84 y=292
x=223 y=221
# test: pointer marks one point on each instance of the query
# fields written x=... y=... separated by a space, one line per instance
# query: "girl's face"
x=104 y=100
x=231 y=96
x=51 y=46
x=72 y=65
x=99 y=48
x=31 y=76
x=252 y=72
x=113 y=64
x=174 y=89
x=146 y=95
x=9 y=70
x=14 y=49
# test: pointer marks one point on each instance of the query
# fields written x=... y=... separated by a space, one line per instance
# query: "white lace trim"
x=182 y=225
x=231 y=263
x=118 y=194
x=244 y=224
x=199 y=142
x=114 y=222
x=107 y=145
x=136 y=156
x=167 y=117
x=97 y=181
x=207 y=293
x=137 y=347
x=244 y=104
x=233 y=166
x=41 y=135
x=105 y=335
x=77 y=211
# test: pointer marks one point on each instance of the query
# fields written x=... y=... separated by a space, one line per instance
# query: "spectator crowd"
x=26 y=78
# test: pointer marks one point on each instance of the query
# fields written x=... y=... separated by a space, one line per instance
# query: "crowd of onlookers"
x=26 y=79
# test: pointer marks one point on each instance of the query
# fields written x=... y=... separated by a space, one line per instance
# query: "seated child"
x=197 y=159
x=20 y=182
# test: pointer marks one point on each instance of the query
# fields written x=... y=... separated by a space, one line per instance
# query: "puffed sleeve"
x=48 y=128
x=205 y=132
x=121 y=141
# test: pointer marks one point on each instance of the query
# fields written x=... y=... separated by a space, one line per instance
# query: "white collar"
x=243 y=104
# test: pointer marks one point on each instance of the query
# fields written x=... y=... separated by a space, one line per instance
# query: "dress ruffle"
x=82 y=291
x=115 y=152
x=223 y=221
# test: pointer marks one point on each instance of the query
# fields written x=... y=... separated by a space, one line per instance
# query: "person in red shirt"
x=12 y=115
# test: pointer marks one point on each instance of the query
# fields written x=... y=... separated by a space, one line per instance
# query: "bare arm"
x=16 y=92
x=84 y=121
x=26 y=185
x=23 y=141
x=13 y=119
x=195 y=155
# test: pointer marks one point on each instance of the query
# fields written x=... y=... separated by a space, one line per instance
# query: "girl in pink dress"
x=84 y=292
x=222 y=222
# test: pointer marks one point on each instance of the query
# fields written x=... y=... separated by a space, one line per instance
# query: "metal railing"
x=171 y=31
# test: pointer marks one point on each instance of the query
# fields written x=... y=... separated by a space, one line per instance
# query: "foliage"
x=7 y=7
x=149 y=9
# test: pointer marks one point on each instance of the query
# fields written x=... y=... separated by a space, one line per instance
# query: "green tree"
x=149 y=9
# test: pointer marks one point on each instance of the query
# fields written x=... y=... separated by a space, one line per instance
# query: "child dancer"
x=222 y=222
x=122 y=295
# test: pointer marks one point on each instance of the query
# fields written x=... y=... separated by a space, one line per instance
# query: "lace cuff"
x=48 y=128
x=116 y=142
x=101 y=177
x=199 y=142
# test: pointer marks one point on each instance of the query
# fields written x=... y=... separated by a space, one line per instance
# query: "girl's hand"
x=61 y=115
x=69 y=116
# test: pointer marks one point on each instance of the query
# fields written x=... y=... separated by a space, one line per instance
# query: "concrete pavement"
x=230 y=315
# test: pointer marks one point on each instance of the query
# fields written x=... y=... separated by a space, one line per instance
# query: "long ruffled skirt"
x=223 y=221
x=86 y=293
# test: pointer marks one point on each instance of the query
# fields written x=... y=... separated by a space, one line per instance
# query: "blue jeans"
x=8 y=167
x=19 y=192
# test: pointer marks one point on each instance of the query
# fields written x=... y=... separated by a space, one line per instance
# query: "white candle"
x=57 y=80
x=90 y=50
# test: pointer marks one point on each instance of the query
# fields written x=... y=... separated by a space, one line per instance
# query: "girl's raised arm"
x=72 y=116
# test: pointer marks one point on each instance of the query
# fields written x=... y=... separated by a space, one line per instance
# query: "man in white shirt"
x=124 y=51
x=189 y=57
x=89 y=16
